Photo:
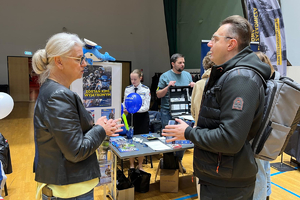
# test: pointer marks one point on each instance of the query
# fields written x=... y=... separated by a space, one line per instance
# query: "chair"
x=154 y=122
x=146 y=162
x=155 y=125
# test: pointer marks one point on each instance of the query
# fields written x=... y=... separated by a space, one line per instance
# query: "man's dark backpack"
x=280 y=118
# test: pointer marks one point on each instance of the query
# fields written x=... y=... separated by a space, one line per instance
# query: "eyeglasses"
x=83 y=58
x=214 y=40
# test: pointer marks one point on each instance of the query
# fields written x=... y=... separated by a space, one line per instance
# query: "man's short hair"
x=175 y=56
x=240 y=29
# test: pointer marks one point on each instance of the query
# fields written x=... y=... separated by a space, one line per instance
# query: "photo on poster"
x=97 y=87
x=105 y=170
x=109 y=113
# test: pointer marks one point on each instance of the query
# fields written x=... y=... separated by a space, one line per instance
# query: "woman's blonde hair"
x=207 y=63
x=138 y=72
x=264 y=58
x=59 y=44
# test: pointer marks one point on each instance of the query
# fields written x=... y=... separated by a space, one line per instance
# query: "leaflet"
x=157 y=145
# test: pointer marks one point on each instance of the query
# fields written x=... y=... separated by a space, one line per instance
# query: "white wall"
x=129 y=30
x=293 y=72
x=290 y=12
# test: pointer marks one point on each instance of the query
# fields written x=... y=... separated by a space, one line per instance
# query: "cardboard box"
x=126 y=194
x=169 y=179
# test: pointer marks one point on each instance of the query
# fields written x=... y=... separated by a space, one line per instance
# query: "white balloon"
x=6 y=104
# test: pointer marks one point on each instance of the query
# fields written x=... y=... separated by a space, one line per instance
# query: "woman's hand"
x=111 y=126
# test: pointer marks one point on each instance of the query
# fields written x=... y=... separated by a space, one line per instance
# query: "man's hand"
x=171 y=83
x=163 y=92
x=192 y=84
x=177 y=131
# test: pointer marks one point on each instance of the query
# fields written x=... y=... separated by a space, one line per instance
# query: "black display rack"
x=180 y=100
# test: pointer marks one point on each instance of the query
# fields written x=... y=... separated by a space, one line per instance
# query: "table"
x=143 y=151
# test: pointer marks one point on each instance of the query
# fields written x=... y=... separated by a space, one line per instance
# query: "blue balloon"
x=133 y=102
x=122 y=109
x=123 y=132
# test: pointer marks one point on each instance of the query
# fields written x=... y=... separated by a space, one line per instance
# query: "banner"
x=100 y=89
x=268 y=29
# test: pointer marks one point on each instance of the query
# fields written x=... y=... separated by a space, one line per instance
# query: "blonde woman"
x=65 y=163
x=199 y=87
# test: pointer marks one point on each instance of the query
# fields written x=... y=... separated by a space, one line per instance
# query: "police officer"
x=141 y=118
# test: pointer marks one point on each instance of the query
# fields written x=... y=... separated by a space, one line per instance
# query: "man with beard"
x=173 y=77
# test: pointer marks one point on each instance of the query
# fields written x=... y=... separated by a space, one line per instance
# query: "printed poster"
x=109 y=113
x=96 y=85
x=268 y=29
x=100 y=89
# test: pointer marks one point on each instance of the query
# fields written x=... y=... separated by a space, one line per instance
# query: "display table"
x=143 y=151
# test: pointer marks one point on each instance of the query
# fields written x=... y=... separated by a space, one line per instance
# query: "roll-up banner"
x=268 y=29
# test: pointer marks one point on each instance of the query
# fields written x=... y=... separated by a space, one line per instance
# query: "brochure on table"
x=100 y=89
x=157 y=145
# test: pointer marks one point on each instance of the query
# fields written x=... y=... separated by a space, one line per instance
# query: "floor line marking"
x=274 y=174
x=187 y=197
x=286 y=190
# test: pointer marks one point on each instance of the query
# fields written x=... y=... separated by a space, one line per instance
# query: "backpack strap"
x=223 y=78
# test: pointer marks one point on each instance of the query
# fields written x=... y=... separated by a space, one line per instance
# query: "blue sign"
x=28 y=53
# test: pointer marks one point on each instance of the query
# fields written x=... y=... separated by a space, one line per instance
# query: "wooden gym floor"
x=17 y=128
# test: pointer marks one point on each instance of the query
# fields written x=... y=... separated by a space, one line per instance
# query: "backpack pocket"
x=270 y=146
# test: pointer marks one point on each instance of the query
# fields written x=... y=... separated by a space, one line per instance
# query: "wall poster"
x=100 y=89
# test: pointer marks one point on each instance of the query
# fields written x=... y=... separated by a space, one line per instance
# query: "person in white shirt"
x=141 y=117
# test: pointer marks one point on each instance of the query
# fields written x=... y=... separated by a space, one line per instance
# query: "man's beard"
x=179 y=69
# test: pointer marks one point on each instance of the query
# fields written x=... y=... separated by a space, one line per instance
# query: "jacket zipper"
x=219 y=162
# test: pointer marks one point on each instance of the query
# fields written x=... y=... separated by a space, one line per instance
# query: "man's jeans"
x=86 y=196
x=165 y=117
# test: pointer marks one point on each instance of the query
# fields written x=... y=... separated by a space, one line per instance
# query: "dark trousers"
x=140 y=122
x=212 y=192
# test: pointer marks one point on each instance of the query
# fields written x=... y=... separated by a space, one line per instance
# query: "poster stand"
x=100 y=89
x=100 y=92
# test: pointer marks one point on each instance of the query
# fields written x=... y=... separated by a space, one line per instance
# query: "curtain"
x=170 y=8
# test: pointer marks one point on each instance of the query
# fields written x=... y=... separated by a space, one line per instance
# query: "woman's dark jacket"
x=65 y=138
x=230 y=116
